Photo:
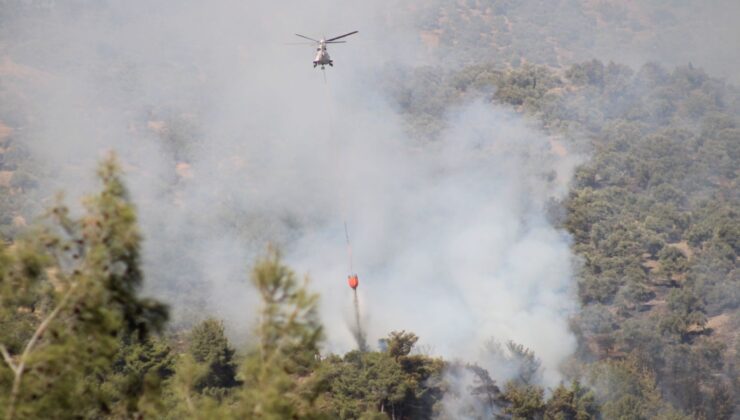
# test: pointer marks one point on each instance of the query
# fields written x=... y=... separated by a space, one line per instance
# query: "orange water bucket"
x=353 y=281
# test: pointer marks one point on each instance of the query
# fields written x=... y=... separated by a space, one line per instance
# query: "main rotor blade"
x=336 y=42
x=314 y=40
x=341 y=36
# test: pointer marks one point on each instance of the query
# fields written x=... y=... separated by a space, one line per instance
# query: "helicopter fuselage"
x=322 y=56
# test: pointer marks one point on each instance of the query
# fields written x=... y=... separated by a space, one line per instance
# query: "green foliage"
x=688 y=379
x=628 y=390
x=686 y=313
x=138 y=372
x=392 y=381
x=652 y=215
x=209 y=346
x=652 y=212
x=524 y=401
x=399 y=344
x=672 y=262
x=79 y=278
x=363 y=382
x=110 y=228
x=181 y=399
x=279 y=378
x=526 y=86
x=587 y=73
x=574 y=403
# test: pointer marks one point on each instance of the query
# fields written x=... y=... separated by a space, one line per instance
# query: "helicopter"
x=322 y=56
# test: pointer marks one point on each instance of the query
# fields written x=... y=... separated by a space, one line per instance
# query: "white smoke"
x=451 y=241
x=450 y=238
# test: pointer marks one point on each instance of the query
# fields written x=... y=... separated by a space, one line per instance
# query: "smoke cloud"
x=232 y=141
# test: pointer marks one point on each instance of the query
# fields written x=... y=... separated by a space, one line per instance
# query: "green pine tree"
x=77 y=280
x=209 y=345
x=279 y=375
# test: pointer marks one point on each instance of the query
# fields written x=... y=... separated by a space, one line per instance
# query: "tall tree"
x=574 y=403
x=279 y=378
x=209 y=345
x=80 y=279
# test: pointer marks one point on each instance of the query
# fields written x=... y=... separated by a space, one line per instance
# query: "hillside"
x=653 y=213
x=631 y=165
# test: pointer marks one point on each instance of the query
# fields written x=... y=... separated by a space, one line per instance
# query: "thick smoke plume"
x=232 y=141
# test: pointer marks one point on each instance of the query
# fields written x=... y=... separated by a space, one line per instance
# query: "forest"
x=651 y=213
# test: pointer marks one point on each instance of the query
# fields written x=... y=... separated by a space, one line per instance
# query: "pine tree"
x=139 y=370
x=574 y=403
x=628 y=390
x=79 y=279
x=209 y=346
x=524 y=401
x=279 y=377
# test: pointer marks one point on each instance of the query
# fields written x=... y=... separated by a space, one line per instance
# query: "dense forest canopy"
x=541 y=197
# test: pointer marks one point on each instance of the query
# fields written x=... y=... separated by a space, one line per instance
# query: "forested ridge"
x=652 y=211
x=653 y=214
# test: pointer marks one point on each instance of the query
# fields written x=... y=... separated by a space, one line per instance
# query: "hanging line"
x=349 y=248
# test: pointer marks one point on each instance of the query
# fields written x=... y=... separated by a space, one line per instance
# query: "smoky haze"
x=560 y=32
x=231 y=141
